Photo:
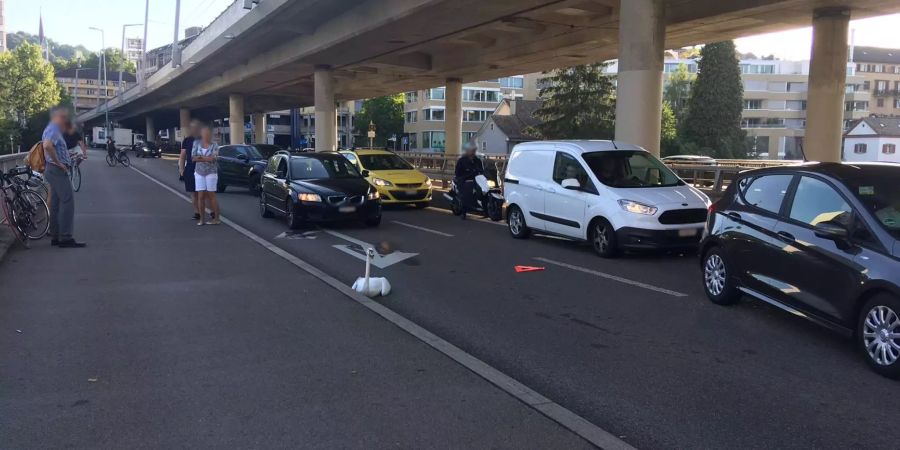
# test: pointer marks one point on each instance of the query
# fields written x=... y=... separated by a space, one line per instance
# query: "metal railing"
x=9 y=161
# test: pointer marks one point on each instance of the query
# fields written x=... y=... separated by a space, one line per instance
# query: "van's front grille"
x=683 y=216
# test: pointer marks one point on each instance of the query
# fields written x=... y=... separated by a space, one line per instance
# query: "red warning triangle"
x=521 y=269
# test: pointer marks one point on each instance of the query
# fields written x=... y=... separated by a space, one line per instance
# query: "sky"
x=67 y=21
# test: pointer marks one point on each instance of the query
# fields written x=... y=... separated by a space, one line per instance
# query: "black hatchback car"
x=242 y=165
x=818 y=240
x=317 y=187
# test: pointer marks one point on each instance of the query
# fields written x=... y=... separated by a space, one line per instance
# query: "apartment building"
x=346 y=112
x=879 y=69
x=775 y=94
x=134 y=48
x=86 y=92
x=424 y=110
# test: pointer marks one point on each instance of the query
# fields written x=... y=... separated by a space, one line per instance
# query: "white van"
x=616 y=196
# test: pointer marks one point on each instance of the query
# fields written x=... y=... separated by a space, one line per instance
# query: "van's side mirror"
x=832 y=231
x=571 y=183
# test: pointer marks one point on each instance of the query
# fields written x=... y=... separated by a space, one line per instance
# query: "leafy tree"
x=579 y=103
x=713 y=120
x=387 y=115
x=27 y=83
x=669 y=135
x=677 y=92
x=115 y=61
x=57 y=50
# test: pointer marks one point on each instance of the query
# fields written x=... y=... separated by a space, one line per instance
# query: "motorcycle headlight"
x=307 y=197
x=381 y=182
x=637 y=207
x=492 y=184
x=373 y=195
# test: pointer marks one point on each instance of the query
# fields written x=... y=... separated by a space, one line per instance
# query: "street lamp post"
x=142 y=70
x=103 y=69
x=75 y=104
x=124 y=56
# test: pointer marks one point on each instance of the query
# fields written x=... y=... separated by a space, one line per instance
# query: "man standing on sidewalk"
x=186 y=165
x=62 y=199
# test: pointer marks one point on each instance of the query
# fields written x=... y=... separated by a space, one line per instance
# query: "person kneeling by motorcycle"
x=468 y=167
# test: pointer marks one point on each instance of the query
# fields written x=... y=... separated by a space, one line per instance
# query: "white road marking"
x=614 y=277
x=552 y=410
x=380 y=261
x=296 y=236
x=470 y=217
x=427 y=230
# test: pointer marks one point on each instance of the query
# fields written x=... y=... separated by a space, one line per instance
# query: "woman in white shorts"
x=206 y=174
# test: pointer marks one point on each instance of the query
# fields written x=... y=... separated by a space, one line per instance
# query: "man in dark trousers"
x=468 y=167
x=186 y=165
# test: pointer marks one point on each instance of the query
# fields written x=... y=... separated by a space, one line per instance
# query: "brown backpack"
x=36 y=159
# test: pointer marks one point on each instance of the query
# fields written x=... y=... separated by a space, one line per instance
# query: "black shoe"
x=71 y=243
x=196 y=217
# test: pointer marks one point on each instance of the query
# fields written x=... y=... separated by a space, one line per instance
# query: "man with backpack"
x=62 y=199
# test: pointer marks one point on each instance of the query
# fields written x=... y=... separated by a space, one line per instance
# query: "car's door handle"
x=786 y=237
x=734 y=215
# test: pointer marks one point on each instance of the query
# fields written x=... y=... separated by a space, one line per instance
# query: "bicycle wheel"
x=31 y=214
x=75 y=176
x=111 y=160
x=36 y=184
x=123 y=158
x=9 y=218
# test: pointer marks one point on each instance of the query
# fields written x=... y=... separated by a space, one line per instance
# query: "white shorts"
x=206 y=183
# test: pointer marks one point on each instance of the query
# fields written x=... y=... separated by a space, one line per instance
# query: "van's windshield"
x=630 y=169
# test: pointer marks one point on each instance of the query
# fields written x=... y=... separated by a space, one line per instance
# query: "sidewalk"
x=172 y=335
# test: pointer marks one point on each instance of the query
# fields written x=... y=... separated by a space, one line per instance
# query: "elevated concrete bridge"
x=289 y=53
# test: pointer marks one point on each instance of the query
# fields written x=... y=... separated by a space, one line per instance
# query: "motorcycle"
x=488 y=200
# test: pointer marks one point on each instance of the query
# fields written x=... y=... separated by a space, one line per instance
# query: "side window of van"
x=566 y=166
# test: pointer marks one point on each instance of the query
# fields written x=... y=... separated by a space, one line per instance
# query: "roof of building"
x=876 y=55
x=88 y=74
x=882 y=126
x=514 y=126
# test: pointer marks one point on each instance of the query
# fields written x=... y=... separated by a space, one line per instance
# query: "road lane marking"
x=550 y=409
x=358 y=251
x=613 y=277
x=427 y=230
x=470 y=217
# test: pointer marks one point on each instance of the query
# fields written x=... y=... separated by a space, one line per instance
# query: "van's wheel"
x=878 y=334
x=603 y=239
x=718 y=281
x=264 y=207
x=516 y=222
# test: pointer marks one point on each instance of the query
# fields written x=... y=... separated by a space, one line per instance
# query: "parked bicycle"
x=24 y=210
x=121 y=157
x=75 y=170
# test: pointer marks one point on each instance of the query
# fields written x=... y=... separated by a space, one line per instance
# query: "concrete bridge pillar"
x=326 y=120
x=236 y=118
x=184 y=121
x=642 y=35
x=827 y=81
x=149 y=130
x=453 y=115
x=259 y=128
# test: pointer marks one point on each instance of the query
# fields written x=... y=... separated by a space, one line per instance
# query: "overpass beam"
x=326 y=112
x=827 y=81
x=642 y=35
x=453 y=115
x=260 y=128
x=149 y=129
x=236 y=118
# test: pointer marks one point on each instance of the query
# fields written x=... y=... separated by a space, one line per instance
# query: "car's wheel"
x=264 y=207
x=254 y=185
x=718 y=281
x=373 y=221
x=516 y=222
x=603 y=239
x=293 y=220
x=220 y=188
x=878 y=334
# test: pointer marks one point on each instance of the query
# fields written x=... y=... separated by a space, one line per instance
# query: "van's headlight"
x=373 y=195
x=306 y=197
x=637 y=208
x=381 y=182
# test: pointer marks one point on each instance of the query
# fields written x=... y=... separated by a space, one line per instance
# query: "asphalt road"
x=630 y=344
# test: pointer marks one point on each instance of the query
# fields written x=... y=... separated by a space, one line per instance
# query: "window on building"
x=512 y=82
x=867 y=85
x=880 y=102
x=889 y=149
x=412 y=97
x=795 y=105
x=412 y=116
x=856 y=106
x=435 y=140
x=468 y=136
x=879 y=68
x=881 y=86
x=437 y=94
x=860 y=149
x=897 y=103
x=753 y=104
x=476 y=115
x=481 y=95
x=433 y=114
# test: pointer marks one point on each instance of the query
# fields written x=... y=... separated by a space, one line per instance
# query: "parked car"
x=317 y=187
x=397 y=180
x=819 y=241
x=241 y=165
x=616 y=196
x=695 y=160
x=147 y=150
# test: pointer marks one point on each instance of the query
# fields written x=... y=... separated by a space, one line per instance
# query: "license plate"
x=347 y=209
x=411 y=192
x=690 y=232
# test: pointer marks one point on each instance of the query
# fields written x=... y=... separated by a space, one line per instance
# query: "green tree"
x=713 y=120
x=669 y=135
x=387 y=115
x=677 y=92
x=57 y=50
x=579 y=103
x=27 y=84
x=115 y=61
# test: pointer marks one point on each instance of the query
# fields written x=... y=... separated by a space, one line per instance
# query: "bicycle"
x=121 y=157
x=24 y=210
x=75 y=170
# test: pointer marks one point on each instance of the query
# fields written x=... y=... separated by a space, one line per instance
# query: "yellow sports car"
x=397 y=181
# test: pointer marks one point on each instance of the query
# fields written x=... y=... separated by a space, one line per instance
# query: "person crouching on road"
x=62 y=199
x=468 y=167
x=206 y=173
x=186 y=165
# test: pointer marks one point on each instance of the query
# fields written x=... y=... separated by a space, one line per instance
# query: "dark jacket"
x=468 y=168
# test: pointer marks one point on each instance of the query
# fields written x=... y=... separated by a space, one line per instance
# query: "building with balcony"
x=86 y=91
x=424 y=109
x=879 y=69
